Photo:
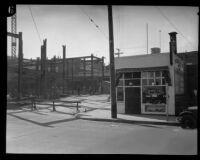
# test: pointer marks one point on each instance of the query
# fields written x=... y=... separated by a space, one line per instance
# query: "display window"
x=158 y=81
x=144 y=82
x=150 y=74
x=132 y=82
x=144 y=74
x=154 y=99
x=120 y=82
x=151 y=82
x=154 y=94
x=158 y=74
x=127 y=75
x=136 y=75
x=152 y=78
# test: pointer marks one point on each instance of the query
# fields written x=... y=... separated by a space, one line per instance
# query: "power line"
x=35 y=24
x=173 y=25
x=92 y=21
x=118 y=26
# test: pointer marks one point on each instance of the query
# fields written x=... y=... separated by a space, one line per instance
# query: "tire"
x=188 y=122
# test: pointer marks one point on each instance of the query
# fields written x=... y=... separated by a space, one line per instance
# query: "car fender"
x=185 y=113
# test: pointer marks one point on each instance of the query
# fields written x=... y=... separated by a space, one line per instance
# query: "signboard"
x=155 y=108
x=178 y=65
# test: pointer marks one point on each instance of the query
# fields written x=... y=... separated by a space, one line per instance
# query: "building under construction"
x=50 y=78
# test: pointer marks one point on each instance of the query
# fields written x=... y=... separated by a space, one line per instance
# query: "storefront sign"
x=178 y=65
x=155 y=108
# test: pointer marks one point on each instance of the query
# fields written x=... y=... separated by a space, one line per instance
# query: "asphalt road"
x=69 y=135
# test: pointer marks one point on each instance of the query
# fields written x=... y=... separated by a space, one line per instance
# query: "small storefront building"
x=147 y=84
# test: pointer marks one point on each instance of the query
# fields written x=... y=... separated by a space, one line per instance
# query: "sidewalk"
x=93 y=108
x=105 y=115
x=97 y=108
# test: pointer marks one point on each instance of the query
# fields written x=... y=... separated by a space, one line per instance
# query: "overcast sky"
x=69 y=25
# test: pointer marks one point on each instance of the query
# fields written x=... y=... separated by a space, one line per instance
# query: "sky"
x=71 y=25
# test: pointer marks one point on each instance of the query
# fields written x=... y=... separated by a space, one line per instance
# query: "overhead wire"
x=174 y=26
x=92 y=21
x=35 y=24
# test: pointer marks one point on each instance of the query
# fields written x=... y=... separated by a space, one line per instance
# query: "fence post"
x=54 y=109
x=167 y=101
x=77 y=107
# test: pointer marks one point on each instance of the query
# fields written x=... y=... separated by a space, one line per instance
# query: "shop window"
x=151 y=82
x=120 y=94
x=158 y=81
x=158 y=74
x=144 y=82
x=154 y=94
x=136 y=75
x=133 y=82
x=120 y=82
x=150 y=74
x=144 y=74
x=163 y=81
x=128 y=75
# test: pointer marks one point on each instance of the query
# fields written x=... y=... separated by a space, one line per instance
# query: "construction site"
x=55 y=77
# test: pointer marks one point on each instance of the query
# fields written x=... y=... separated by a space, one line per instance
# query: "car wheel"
x=188 y=122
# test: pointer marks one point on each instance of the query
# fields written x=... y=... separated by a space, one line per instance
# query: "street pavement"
x=92 y=131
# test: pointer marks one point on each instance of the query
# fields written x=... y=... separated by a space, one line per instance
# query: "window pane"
x=120 y=83
x=136 y=74
x=144 y=82
x=163 y=81
x=154 y=94
x=144 y=74
x=134 y=82
x=158 y=81
x=128 y=75
x=150 y=74
x=158 y=74
x=151 y=81
x=120 y=94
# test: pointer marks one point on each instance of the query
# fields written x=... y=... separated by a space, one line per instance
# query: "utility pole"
x=147 y=37
x=64 y=52
x=118 y=53
x=92 y=70
x=20 y=65
x=112 y=64
x=102 y=79
x=160 y=39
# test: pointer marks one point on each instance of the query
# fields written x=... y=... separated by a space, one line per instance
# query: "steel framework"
x=13 y=39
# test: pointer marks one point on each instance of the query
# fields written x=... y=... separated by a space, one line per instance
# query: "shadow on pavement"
x=28 y=120
x=118 y=120
x=47 y=124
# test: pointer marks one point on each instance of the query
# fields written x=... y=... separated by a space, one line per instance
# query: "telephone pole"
x=160 y=39
x=147 y=38
x=118 y=53
x=112 y=64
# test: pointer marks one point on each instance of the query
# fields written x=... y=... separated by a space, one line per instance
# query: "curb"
x=131 y=121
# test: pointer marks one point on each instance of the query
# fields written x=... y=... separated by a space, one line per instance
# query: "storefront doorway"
x=132 y=100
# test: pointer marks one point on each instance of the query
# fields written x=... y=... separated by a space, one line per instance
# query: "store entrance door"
x=132 y=100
